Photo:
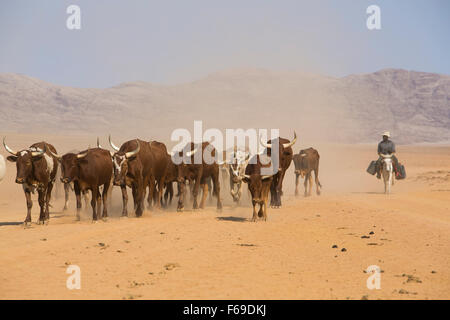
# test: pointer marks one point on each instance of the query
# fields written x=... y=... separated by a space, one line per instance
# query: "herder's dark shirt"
x=386 y=147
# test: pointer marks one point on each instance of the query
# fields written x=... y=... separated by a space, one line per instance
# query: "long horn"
x=246 y=176
x=265 y=177
x=82 y=155
x=112 y=144
x=38 y=153
x=54 y=154
x=290 y=144
x=265 y=144
x=8 y=148
x=98 y=143
x=134 y=152
x=190 y=153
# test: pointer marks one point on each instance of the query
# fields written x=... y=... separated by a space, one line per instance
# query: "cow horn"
x=54 y=155
x=290 y=144
x=98 y=143
x=8 y=148
x=265 y=177
x=265 y=144
x=112 y=144
x=82 y=155
x=246 y=176
x=190 y=153
x=134 y=152
x=38 y=153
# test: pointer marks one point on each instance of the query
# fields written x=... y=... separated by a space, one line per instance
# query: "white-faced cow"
x=36 y=169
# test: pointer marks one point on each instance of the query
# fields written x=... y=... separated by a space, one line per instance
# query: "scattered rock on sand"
x=334 y=246
x=171 y=266
x=343 y=250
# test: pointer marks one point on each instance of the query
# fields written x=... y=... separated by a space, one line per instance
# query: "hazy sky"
x=177 y=41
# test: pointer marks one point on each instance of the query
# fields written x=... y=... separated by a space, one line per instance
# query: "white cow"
x=237 y=164
x=2 y=167
x=387 y=172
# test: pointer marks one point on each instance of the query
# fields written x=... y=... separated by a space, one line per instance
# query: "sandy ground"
x=208 y=255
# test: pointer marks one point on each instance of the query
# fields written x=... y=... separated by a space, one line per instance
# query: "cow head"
x=70 y=166
x=24 y=161
x=255 y=186
x=301 y=164
x=121 y=163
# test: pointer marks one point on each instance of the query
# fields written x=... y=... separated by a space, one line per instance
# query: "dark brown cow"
x=36 y=169
x=198 y=173
x=305 y=162
x=258 y=185
x=285 y=155
x=132 y=167
x=89 y=170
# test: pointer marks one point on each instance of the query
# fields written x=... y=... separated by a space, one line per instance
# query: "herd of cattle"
x=139 y=165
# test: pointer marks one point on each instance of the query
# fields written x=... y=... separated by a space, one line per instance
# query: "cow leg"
x=204 y=195
x=151 y=193
x=99 y=203
x=255 y=216
x=29 y=205
x=105 y=196
x=297 y=178
x=260 y=212
x=161 y=184
x=196 y=189
x=47 y=201
x=125 y=201
x=41 y=197
x=216 y=189
x=94 y=202
x=306 y=184
x=139 y=198
x=182 y=195
x=280 y=188
x=66 y=196
x=265 y=209
x=310 y=184
x=273 y=191
x=316 y=176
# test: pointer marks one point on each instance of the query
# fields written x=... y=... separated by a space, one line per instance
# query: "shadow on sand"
x=230 y=218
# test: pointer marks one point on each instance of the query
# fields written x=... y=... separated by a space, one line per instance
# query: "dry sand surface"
x=208 y=255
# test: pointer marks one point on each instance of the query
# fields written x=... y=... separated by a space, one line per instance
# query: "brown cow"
x=36 y=169
x=160 y=171
x=198 y=173
x=258 y=185
x=305 y=162
x=132 y=167
x=285 y=155
x=89 y=170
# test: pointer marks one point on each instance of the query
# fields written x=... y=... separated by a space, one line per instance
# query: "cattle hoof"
x=105 y=219
x=27 y=224
x=94 y=221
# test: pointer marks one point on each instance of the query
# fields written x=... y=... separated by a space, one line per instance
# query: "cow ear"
x=12 y=158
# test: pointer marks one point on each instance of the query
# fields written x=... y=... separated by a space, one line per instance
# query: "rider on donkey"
x=386 y=147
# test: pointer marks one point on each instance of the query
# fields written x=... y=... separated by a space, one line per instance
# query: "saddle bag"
x=401 y=172
x=372 y=168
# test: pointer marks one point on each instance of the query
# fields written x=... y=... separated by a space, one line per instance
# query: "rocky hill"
x=414 y=106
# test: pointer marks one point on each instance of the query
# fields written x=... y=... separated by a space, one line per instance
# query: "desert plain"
x=316 y=247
